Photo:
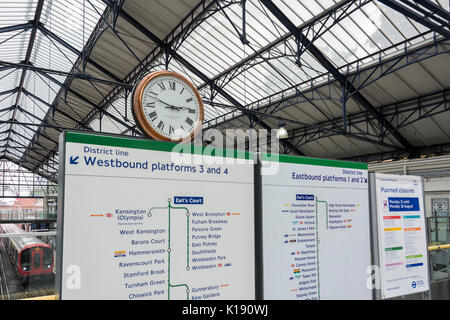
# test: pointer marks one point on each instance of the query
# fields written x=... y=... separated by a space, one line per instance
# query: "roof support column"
x=37 y=16
x=423 y=20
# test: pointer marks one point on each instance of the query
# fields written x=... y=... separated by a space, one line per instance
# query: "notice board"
x=316 y=229
x=402 y=240
x=136 y=223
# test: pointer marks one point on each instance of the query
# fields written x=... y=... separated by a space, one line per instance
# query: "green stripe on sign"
x=415 y=256
x=314 y=161
x=393 y=248
x=143 y=144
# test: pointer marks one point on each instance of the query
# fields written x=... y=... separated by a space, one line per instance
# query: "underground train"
x=30 y=256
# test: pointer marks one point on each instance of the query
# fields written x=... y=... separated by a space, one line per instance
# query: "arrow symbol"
x=74 y=160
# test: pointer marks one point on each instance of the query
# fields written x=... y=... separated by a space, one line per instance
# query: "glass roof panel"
x=51 y=55
x=213 y=48
x=71 y=20
x=16 y=12
x=13 y=45
x=217 y=39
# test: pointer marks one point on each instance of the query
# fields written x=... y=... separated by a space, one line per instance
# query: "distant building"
x=21 y=208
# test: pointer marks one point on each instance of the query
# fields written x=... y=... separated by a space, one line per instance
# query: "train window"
x=25 y=259
x=48 y=258
x=37 y=260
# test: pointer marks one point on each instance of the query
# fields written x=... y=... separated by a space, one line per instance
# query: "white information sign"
x=136 y=225
x=402 y=235
x=316 y=230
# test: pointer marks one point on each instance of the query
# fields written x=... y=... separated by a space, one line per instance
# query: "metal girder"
x=82 y=60
x=78 y=53
x=47 y=176
x=35 y=165
x=68 y=116
x=165 y=46
x=400 y=114
x=175 y=38
x=25 y=148
x=30 y=124
x=424 y=11
x=22 y=146
x=23 y=26
x=434 y=150
x=198 y=73
x=414 y=15
x=4 y=68
x=38 y=160
x=78 y=75
x=12 y=91
x=434 y=8
x=320 y=57
x=36 y=118
x=361 y=78
x=37 y=16
x=323 y=130
x=27 y=138
x=92 y=104
x=317 y=26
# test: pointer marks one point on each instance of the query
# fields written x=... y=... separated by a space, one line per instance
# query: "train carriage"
x=31 y=257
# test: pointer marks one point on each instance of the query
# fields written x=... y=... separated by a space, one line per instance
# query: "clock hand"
x=173 y=107
x=157 y=99
x=186 y=108
x=169 y=106
x=178 y=108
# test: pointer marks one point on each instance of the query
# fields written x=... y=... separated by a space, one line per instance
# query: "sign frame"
x=377 y=243
x=192 y=149
x=307 y=161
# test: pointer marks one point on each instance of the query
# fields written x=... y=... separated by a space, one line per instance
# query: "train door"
x=36 y=261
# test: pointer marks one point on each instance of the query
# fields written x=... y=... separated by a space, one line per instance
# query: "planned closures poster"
x=402 y=235
x=315 y=230
x=138 y=225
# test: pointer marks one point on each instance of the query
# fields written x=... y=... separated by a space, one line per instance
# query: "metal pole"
x=426 y=294
x=259 y=270
x=375 y=255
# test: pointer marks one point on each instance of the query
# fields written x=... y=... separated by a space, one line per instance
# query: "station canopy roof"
x=362 y=80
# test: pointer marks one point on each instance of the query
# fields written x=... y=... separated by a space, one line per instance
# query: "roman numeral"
x=189 y=121
x=153 y=115
x=189 y=100
x=181 y=91
x=172 y=85
x=162 y=86
x=150 y=105
x=171 y=130
x=161 y=125
x=192 y=111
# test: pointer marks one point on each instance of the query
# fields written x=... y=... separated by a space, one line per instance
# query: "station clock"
x=167 y=107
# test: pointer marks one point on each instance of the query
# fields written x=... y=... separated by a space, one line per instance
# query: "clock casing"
x=167 y=107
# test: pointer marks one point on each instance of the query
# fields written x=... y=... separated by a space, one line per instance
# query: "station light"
x=282 y=133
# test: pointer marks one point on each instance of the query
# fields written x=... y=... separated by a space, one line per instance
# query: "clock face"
x=167 y=107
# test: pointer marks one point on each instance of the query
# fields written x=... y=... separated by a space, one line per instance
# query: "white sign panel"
x=402 y=235
x=136 y=225
x=316 y=230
